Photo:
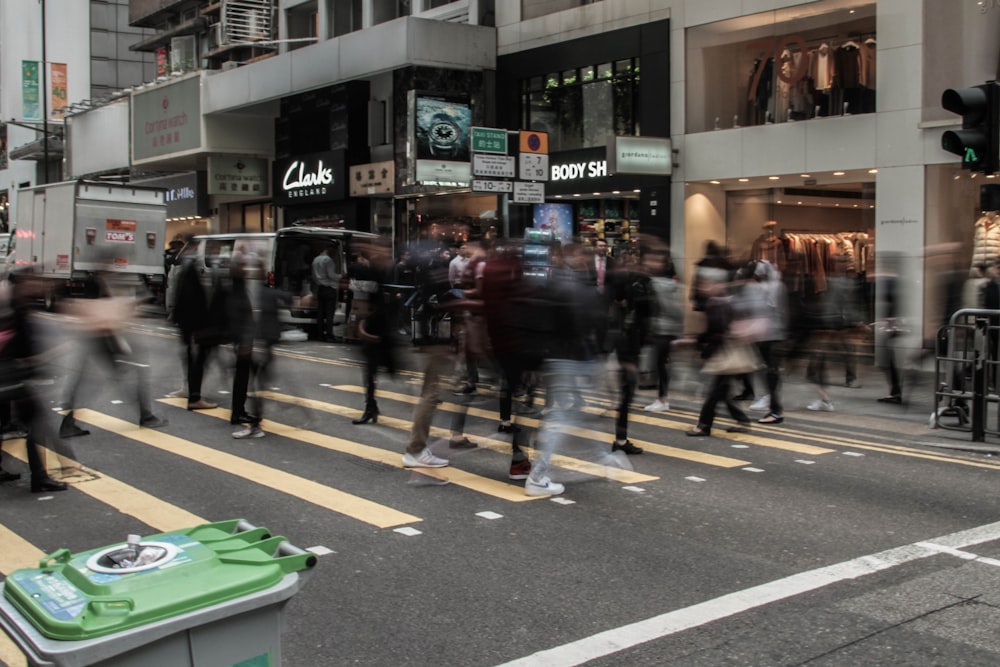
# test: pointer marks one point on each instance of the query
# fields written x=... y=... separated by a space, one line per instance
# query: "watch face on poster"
x=443 y=128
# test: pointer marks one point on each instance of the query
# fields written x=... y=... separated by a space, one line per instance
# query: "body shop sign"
x=120 y=231
x=310 y=178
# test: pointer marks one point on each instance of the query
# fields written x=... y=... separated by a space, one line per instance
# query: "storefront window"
x=809 y=61
x=581 y=107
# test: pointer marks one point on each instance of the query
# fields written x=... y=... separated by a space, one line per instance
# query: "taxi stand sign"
x=489 y=140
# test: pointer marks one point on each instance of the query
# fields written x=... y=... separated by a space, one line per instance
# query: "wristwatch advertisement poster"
x=442 y=129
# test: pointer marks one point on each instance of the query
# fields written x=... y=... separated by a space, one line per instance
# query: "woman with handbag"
x=724 y=359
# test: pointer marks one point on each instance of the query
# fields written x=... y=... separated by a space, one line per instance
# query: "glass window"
x=581 y=107
x=804 y=62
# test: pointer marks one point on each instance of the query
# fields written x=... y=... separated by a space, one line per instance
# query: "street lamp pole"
x=45 y=100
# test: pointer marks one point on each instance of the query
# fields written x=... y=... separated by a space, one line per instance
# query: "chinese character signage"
x=237 y=176
x=377 y=178
x=58 y=90
x=166 y=119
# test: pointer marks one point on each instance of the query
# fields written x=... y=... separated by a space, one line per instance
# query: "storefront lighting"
x=576 y=194
x=616 y=192
x=715 y=182
x=991 y=176
x=799 y=203
x=744 y=180
x=805 y=176
x=873 y=171
x=597 y=194
x=779 y=201
x=773 y=178
x=838 y=173
x=637 y=191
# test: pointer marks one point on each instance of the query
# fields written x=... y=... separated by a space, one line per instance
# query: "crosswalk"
x=159 y=514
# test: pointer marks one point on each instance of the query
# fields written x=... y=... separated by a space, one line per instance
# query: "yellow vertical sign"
x=58 y=87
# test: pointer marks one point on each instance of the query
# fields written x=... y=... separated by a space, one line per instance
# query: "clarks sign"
x=310 y=178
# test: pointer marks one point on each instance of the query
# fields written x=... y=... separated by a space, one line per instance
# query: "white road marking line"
x=804 y=462
x=320 y=550
x=562 y=501
x=852 y=453
x=489 y=515
x=117 y=402
x=634 y=489
x=959 y=553
x=409 y=531
x=628 y=636
x=740 y=446
x=695 y=479
x=753 y=469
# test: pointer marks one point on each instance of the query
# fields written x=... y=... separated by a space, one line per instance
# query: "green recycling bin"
x=210 y=596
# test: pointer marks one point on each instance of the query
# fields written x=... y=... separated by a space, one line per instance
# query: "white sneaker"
x=248 y=431
x=820 y=405
x=762 y=404
x=543 y=487
x=657 y=406
x=424 y=459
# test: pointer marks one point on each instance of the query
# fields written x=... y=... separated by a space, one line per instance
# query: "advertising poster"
x=556 y=218
x=31 y=106
x=59 y=92
x=441 y=131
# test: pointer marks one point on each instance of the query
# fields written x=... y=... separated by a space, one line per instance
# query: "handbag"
x=733 y=358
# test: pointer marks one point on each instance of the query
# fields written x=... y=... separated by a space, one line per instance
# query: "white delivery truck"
x=68 y=232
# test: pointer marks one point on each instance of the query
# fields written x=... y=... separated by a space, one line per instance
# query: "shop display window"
x=582 y=106
x=810 y=61
x=613 y=220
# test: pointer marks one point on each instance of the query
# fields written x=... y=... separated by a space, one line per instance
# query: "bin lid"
x=122 y=586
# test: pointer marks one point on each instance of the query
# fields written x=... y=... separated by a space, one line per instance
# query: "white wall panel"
x=840 y=143
x=899 y=23
x=710 y=155
x=898 y=78
x=899 y=138
x=774 y=149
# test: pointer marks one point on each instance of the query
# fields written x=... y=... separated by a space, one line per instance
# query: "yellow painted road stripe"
x=663 y=450
x=617 y=474
x=293 y=485
x=468 y=480
x=127 y=499
x=17 y=552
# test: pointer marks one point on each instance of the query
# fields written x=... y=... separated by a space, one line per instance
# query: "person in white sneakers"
x=667 y=319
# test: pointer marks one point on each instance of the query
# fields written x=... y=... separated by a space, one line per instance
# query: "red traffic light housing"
x=978 y=142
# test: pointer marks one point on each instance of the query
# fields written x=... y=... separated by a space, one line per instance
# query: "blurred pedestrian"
x=667 y=319
x=19 y=360
x=326 y=282
x=716 y=345
x=243 y=328
x=190 y=312
x=103 y=336
x=765 y=303
x=374 y=330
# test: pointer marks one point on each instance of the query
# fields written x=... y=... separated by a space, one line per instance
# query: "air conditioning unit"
x=214 y=36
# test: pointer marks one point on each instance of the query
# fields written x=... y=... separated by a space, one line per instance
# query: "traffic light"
x=978 y=142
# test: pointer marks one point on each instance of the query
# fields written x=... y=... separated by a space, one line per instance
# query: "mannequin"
x=768 y=246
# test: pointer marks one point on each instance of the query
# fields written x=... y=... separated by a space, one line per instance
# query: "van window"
x=293 y=262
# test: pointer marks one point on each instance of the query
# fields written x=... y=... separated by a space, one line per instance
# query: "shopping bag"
x=733 y=358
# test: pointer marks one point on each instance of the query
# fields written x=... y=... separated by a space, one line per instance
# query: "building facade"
x=788 y=130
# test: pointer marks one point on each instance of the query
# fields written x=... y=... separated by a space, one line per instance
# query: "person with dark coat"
x=18 y=360
x=375 y=330
x=190 y=313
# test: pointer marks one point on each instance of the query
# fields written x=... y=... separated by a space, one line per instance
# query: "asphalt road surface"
x=859 y=536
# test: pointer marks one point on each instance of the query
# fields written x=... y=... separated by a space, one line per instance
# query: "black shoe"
x=44 y=484
x=152 y=421
x=626 y=447
x=698 y=432
x=895 y=399
x=508 y=428
x=745 y=396
x=70 y=429
x=241 y=418
x=370 y=415
x=9 y=476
